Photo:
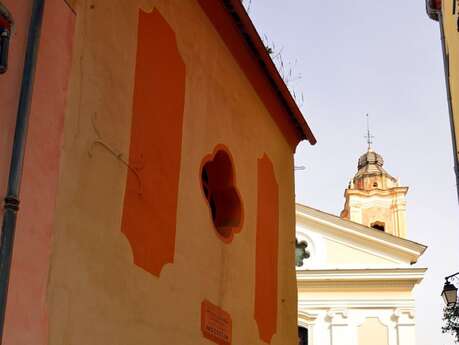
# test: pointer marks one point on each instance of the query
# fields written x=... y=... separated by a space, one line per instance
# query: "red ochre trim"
x=150 y=210
x=208 y=158
x=239 y=34
x=266 y=253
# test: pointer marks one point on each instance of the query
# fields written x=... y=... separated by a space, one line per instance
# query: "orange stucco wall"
x=99 y=291
x=26 y=315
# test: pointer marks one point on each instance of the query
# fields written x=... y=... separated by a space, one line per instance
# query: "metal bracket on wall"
x=118 y=155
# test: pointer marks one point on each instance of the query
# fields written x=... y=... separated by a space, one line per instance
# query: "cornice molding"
x=364 y=275
x=400 y=247
x=403 y=304
x=307 y=317
x=377 y=192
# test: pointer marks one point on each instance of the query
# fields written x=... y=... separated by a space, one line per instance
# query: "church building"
x=355 y=272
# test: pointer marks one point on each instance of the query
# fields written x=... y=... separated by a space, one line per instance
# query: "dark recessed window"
x=218 y=185
x=302 y=336
x=378 y=226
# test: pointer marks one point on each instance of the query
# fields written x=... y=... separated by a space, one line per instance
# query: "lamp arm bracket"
x=451 y=276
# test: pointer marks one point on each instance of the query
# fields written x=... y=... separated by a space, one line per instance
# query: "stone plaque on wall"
x=216 y=323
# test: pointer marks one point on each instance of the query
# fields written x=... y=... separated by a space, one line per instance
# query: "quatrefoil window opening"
x=221 y=193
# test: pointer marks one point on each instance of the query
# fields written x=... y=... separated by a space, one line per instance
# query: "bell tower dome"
x=374 y=198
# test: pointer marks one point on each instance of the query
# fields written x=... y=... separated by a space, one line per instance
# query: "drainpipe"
x=450 y=103
x=11 y=206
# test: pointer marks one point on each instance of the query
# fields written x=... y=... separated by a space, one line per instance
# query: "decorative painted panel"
x=266 y=250
x=150 y=203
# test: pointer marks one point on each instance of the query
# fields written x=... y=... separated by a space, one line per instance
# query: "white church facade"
x=355 y=272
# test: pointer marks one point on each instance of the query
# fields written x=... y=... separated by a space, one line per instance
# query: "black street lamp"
x=449 y=292
x=6 y=22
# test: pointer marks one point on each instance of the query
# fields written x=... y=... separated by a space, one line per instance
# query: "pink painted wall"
x=26 y=319
x=10 y=83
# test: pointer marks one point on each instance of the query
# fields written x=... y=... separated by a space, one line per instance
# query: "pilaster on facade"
x=400 y=215
x=355 y=212
x=339 y=330
x=338 y=317
x=406 y=324
x=405 y=316
x=308 y=320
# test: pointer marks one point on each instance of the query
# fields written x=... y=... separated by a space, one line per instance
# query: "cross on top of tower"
x=369 y=137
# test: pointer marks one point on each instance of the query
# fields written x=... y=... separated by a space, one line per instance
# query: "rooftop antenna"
x=369 y=137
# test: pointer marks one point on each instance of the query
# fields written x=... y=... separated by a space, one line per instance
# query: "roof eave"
x=257 y=50
x=410 y=249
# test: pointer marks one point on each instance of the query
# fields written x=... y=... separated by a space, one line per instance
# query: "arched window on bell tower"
x=378 y=225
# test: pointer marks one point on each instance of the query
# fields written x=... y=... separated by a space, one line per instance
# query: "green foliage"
x=451 y=322
x=300 y=252
x=286 y=69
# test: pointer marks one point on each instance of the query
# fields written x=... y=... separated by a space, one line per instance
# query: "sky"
x=357 y=57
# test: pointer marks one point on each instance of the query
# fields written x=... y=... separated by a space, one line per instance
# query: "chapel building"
x=157 y=197
x=355 y=272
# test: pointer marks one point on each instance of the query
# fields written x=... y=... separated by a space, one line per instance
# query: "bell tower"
x=374 y=198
